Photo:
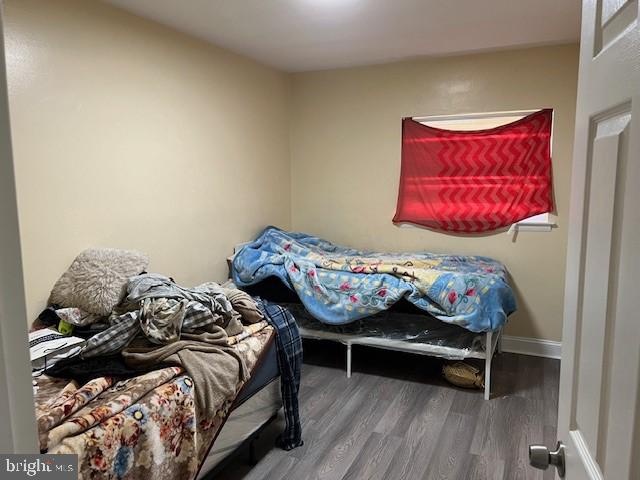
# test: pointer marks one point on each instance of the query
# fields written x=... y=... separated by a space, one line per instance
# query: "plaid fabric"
x=207 y=305
x=197 y=316
x=125 y=328
x=289 y=348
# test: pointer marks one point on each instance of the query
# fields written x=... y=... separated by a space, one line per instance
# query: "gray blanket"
x=155 y=306
x=216 y=368
x=154 y=285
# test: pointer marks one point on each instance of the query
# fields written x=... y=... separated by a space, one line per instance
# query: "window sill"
x=531 y=227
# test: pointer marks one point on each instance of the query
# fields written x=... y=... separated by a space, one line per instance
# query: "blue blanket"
x=338 y=285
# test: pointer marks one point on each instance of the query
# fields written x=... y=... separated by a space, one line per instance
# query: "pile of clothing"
x=157 y=323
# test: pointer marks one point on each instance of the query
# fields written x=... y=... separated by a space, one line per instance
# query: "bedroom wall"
x=345 y=154
x=128 y=134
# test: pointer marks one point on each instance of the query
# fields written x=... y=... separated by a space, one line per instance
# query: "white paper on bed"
x=47 y=346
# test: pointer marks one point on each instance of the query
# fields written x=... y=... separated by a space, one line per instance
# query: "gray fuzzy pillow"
x=97 y=279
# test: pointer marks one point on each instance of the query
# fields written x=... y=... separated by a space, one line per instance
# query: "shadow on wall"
x=492 y=233
x=523 y=310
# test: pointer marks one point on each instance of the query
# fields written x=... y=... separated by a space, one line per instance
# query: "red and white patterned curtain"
x=475 y=181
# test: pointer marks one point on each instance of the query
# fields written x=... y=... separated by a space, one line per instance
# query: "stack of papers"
x=47 y=346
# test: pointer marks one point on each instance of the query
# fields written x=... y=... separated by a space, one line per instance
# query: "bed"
x=147 y=426
x=352 y=296
x=256 y=405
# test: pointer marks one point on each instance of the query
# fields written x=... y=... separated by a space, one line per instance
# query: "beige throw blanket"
x=216 y=368
x=244 y=305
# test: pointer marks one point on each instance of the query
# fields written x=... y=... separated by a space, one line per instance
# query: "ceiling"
x=299 y=35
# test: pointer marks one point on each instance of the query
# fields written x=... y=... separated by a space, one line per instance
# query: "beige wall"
x=345 y=154
x=131 y=135
x=128 y=134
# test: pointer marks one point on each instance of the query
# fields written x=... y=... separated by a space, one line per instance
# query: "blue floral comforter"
x=338 y=285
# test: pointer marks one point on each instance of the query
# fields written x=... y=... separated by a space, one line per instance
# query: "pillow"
x=97 y=279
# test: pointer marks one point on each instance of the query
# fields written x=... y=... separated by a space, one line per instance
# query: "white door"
x=599 y=415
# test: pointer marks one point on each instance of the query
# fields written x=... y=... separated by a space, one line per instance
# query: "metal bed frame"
x=492 y=344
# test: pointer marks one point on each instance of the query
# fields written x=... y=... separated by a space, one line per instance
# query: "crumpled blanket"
x=214 y=366
x=86 y=369
x=155 y=285
x=154 y=294
x=161 y=319
x=205 y=298
x=83 y=370
x=339 y=285
x=244 y=305
x=142 y=427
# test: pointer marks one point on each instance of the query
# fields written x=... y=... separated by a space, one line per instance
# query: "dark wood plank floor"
x=397 y=419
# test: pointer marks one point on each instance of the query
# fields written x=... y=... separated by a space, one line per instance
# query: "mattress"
x=110 y=424
x=263 y=374
x=258 y=401
x=408 y=332
x=242 y=423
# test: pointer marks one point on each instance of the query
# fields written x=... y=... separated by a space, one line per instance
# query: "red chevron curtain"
x=475 y=181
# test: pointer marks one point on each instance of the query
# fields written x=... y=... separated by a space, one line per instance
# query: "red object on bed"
x=475 y=181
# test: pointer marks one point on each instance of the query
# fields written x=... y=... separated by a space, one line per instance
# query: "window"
x=484 y=121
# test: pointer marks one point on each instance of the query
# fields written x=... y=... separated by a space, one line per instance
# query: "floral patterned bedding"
x=339 y=285
x=143 y=427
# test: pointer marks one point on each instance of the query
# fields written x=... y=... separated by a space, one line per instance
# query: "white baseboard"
x=532 y=346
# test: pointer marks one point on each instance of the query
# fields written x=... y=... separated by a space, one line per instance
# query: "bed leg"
x=487 y=365
x=499 y=344
x=348 y=360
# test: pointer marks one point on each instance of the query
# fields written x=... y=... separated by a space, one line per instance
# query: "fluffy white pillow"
x=97 y=279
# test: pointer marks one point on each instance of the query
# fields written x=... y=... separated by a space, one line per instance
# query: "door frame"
x=16 y=391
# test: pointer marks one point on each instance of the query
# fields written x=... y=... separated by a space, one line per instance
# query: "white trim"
x=470 y=116
x=583 y=453
x=532 y=346
x=530 y=227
